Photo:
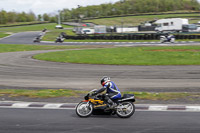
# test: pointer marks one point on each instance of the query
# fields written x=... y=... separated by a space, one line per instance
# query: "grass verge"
x=170 y=55
x=136 y=20
x=21 y=23
x=50 y=93
x=37 y=27
x=164 y=96
x=53 y=34
x=21 y=47
x=3 y=34
x=46 y=93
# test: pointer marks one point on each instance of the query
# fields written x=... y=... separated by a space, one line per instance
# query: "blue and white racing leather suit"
x=112 y=90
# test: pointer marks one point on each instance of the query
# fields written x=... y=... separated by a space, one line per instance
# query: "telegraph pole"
x=59 y=22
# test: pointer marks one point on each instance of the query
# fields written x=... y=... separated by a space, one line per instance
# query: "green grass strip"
x=21 y=47
x=51 y=93
x=164 y=96
x=136 y=20
x=46 y=93
x=170 y=55
x=36 y=27
x=3 y=34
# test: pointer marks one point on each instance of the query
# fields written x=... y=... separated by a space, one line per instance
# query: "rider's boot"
x=111 y=104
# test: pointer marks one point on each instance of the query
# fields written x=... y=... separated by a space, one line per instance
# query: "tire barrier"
x=187 y=36
x=126 y=37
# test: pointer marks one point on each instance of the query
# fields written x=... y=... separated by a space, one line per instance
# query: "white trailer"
x=126 y=29
x=173 y=24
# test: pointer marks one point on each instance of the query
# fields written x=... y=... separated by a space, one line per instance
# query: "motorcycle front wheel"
x=125 y=109
x=172 y=40
x=84 y=109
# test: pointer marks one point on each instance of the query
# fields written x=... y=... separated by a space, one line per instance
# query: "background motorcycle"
x=167 y=38
x=37 y=39
x=60 y=39
x=97 y=105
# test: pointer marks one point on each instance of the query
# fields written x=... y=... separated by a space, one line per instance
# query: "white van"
x=172 y=24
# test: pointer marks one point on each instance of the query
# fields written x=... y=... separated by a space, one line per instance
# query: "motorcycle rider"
x=167 y=38
x=112 y=91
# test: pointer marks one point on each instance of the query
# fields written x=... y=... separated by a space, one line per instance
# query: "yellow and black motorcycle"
x=96 y=105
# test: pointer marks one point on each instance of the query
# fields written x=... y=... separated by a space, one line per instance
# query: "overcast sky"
x=46 y=6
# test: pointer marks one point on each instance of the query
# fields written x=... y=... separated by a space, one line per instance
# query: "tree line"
x=122 y=7
x=12 y=17
x=125 y=7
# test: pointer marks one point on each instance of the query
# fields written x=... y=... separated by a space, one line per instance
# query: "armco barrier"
x=128 y=37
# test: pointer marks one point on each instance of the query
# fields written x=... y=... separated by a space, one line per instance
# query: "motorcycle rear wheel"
x=84 y=109
x=125 y=109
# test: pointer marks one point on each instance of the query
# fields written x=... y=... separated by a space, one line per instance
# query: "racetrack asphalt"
x=19 y=70
x=66 y=121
